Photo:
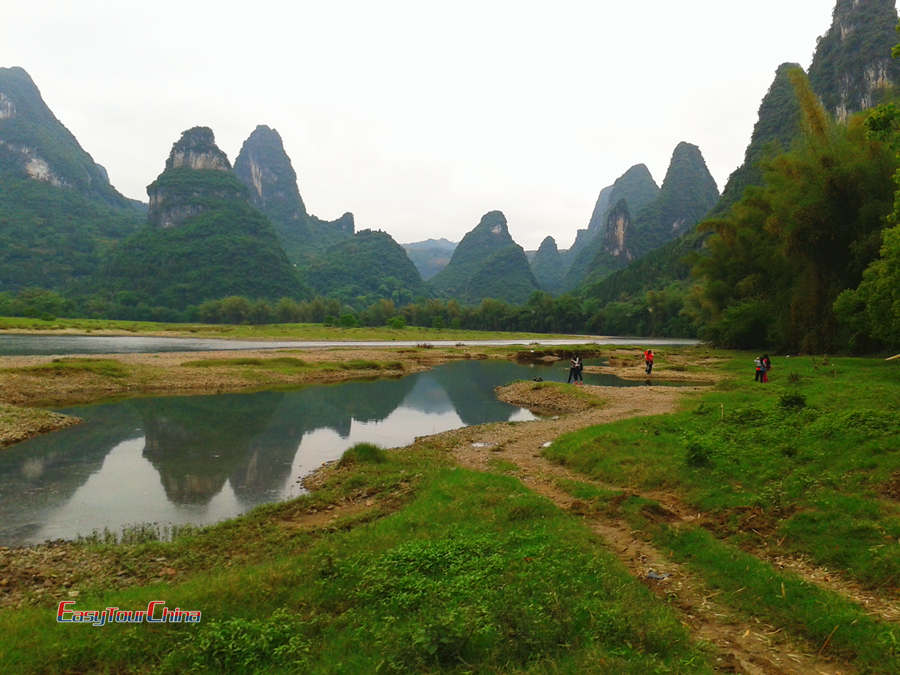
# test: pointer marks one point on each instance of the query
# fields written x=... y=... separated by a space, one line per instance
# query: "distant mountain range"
x=211 y=230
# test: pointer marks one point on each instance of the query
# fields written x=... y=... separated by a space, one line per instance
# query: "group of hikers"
x=763 y=366
x=576 y=365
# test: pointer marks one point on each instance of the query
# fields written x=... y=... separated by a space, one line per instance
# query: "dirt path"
x=755 y=647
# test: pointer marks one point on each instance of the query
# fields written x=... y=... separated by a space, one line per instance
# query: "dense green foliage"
x=54 y=231
x=782 y=255
x=487 y=263
x=365 y=267
x=231 y=249
x=871 y=312
x=54 y=237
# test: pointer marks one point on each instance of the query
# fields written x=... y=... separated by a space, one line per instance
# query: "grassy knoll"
x=281 y=331
x=809 y=463
x=465 y=572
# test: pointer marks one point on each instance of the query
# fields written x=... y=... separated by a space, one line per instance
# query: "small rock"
x=74 y=594
x=547 y=444
x=169 y=571
x=370 y=502
x=4 y=582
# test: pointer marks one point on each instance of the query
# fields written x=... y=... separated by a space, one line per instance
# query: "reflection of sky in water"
x=124 y=491
x=203 y=459
x=398 y=428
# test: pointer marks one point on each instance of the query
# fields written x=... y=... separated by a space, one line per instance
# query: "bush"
x=698 y=453
x=363 y=453
x=792 y=401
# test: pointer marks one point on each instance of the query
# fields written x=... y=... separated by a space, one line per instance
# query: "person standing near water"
x=573 y=370
x=579 y=366
x=648 y=360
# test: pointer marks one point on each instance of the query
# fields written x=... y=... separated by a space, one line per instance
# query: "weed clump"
x=697 y=454
x=363 y=453
x=792 y=401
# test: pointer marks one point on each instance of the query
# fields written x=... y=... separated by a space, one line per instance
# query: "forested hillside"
x=364 y=268
x=58 y=212
x=487 y=263
x=204 y=240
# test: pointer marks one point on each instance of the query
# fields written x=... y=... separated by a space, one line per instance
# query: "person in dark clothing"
x=573 y=370
x=579 y=366
x=758 y=362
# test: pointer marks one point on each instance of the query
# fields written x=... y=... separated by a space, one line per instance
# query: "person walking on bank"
x=579 y=366
x=648 y=360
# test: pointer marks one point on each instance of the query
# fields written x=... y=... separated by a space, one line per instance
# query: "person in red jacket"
x=648 y=360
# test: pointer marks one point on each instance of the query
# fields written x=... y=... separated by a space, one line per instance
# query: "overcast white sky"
x=418 y=116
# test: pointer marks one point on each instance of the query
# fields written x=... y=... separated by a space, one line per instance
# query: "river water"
x=20 y=345
x=203 y=459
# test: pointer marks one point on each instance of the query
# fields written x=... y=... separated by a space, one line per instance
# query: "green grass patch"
x=786 y=600
x=64 y=366
x=363 y=453
x=802 y=459
x=475 y=574
x=754 y=587
x=278 y=363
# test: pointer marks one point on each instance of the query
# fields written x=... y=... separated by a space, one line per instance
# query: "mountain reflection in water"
x=202 y=459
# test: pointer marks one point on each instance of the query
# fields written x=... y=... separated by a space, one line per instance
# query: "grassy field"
x=473 y=572
x=281 y=331
x=808 y=463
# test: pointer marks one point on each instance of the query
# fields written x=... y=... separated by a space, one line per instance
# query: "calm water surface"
x=202 y=459
x=22 y=345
